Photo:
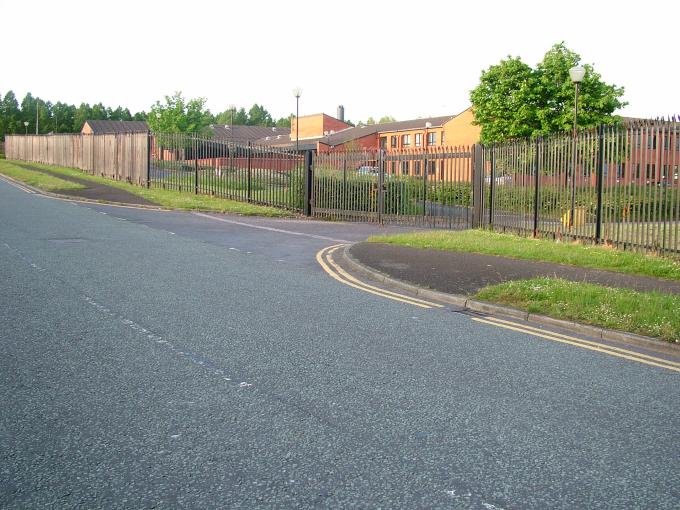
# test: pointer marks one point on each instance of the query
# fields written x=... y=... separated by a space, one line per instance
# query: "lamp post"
x=231 y=126
x=26 y=126
x=37 y=110
x=297 y=91
x=576 y=74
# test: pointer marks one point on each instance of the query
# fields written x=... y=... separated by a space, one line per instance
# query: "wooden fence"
x=123 y=156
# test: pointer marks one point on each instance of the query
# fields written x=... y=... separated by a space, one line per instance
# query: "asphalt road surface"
x=170 y=360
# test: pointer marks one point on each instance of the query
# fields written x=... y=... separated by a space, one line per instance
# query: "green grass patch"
x=37 y=179
x=645 y=313
x=168 y=198
x=508 y=245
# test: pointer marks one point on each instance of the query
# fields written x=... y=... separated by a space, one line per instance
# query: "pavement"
x=156 y=359
x=92 y=190
x=466 y=273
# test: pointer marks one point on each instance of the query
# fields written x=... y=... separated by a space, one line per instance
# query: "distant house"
x=112 y=127
x=244 y=134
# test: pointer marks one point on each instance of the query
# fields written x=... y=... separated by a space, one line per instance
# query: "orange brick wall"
x=313 y=126
x=461 y=131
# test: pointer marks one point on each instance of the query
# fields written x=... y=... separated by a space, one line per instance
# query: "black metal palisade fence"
x=616 y=185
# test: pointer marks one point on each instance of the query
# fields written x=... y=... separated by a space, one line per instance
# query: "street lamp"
x=297 y=91
x=576 y=74
x=231 y=126
x=26 y=126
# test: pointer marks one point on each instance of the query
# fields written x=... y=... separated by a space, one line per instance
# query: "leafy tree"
x=236 y=116
x=514 y=100
x=386 y=118
x=81 y=114
x=285 y=121
x=9 y=107
x=370 y=121
x=30 y=106
x=62 y=117
x=178 y=115
x=259 y=116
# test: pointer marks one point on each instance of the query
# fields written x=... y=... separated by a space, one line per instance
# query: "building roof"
x=107 y=127
x=243 y=134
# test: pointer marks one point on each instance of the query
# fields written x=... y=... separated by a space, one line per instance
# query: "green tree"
x=259 y=116
x=236 y=116
x=11 y=114
x=370 y=121
x=178 y=115
x=81 y=114
x=386 y=118
x=513 y=100
x=285 y=121
x=62 y=117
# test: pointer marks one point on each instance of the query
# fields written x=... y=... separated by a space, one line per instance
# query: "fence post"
x=477 y=185
x=425 y=170
x=600 y=177
x=195 y=166
x=536 y=186
x=309 y=182
x=492 y=184
x=381 y=194
x=148 y=159
x=249 y=174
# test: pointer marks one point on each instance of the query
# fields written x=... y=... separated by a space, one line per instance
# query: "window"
x=651 y=142
x=621 y=171
x=431 y=167
x=431 y=138
x=393 y=167
x=405 y=140
x=404 y=167
x=418 y=139
x=383 y=142
x=637 y=171
x=393 y=141
x=442 y=137
x=416 y=168
x=651 y=171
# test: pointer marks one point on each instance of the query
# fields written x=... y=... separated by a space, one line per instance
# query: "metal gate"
x=430 y=188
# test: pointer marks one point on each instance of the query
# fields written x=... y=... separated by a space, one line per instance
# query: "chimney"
x=341 y=113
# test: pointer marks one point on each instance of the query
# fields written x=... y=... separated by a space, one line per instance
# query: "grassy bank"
x=507 y=245
x=645 y=313
x=37 y=179
x=165 y=198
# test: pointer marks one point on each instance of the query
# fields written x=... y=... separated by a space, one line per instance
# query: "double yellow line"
x=325 y=259
x=584 y=344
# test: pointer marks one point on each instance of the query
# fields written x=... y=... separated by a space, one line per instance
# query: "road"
x=170 y=360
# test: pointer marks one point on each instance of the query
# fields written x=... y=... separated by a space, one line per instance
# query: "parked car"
x=368 y=170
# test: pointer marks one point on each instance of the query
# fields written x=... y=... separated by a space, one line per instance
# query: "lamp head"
x=576 y=74
x=297 y=92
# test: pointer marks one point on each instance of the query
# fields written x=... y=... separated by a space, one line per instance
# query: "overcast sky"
x=405 y=59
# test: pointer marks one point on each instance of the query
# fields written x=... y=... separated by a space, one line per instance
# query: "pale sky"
x=405 y=59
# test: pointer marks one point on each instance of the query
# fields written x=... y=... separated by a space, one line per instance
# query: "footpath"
x=92 y=190
x=466 y=273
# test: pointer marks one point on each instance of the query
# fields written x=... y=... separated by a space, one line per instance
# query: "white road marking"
x=271 y=229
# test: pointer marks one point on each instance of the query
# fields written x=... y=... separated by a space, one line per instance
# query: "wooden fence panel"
x=120 y=156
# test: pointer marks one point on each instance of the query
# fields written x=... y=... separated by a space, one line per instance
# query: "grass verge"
x=508 y=245
x=645 y=313
x=166 y=198
x=41 y=181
